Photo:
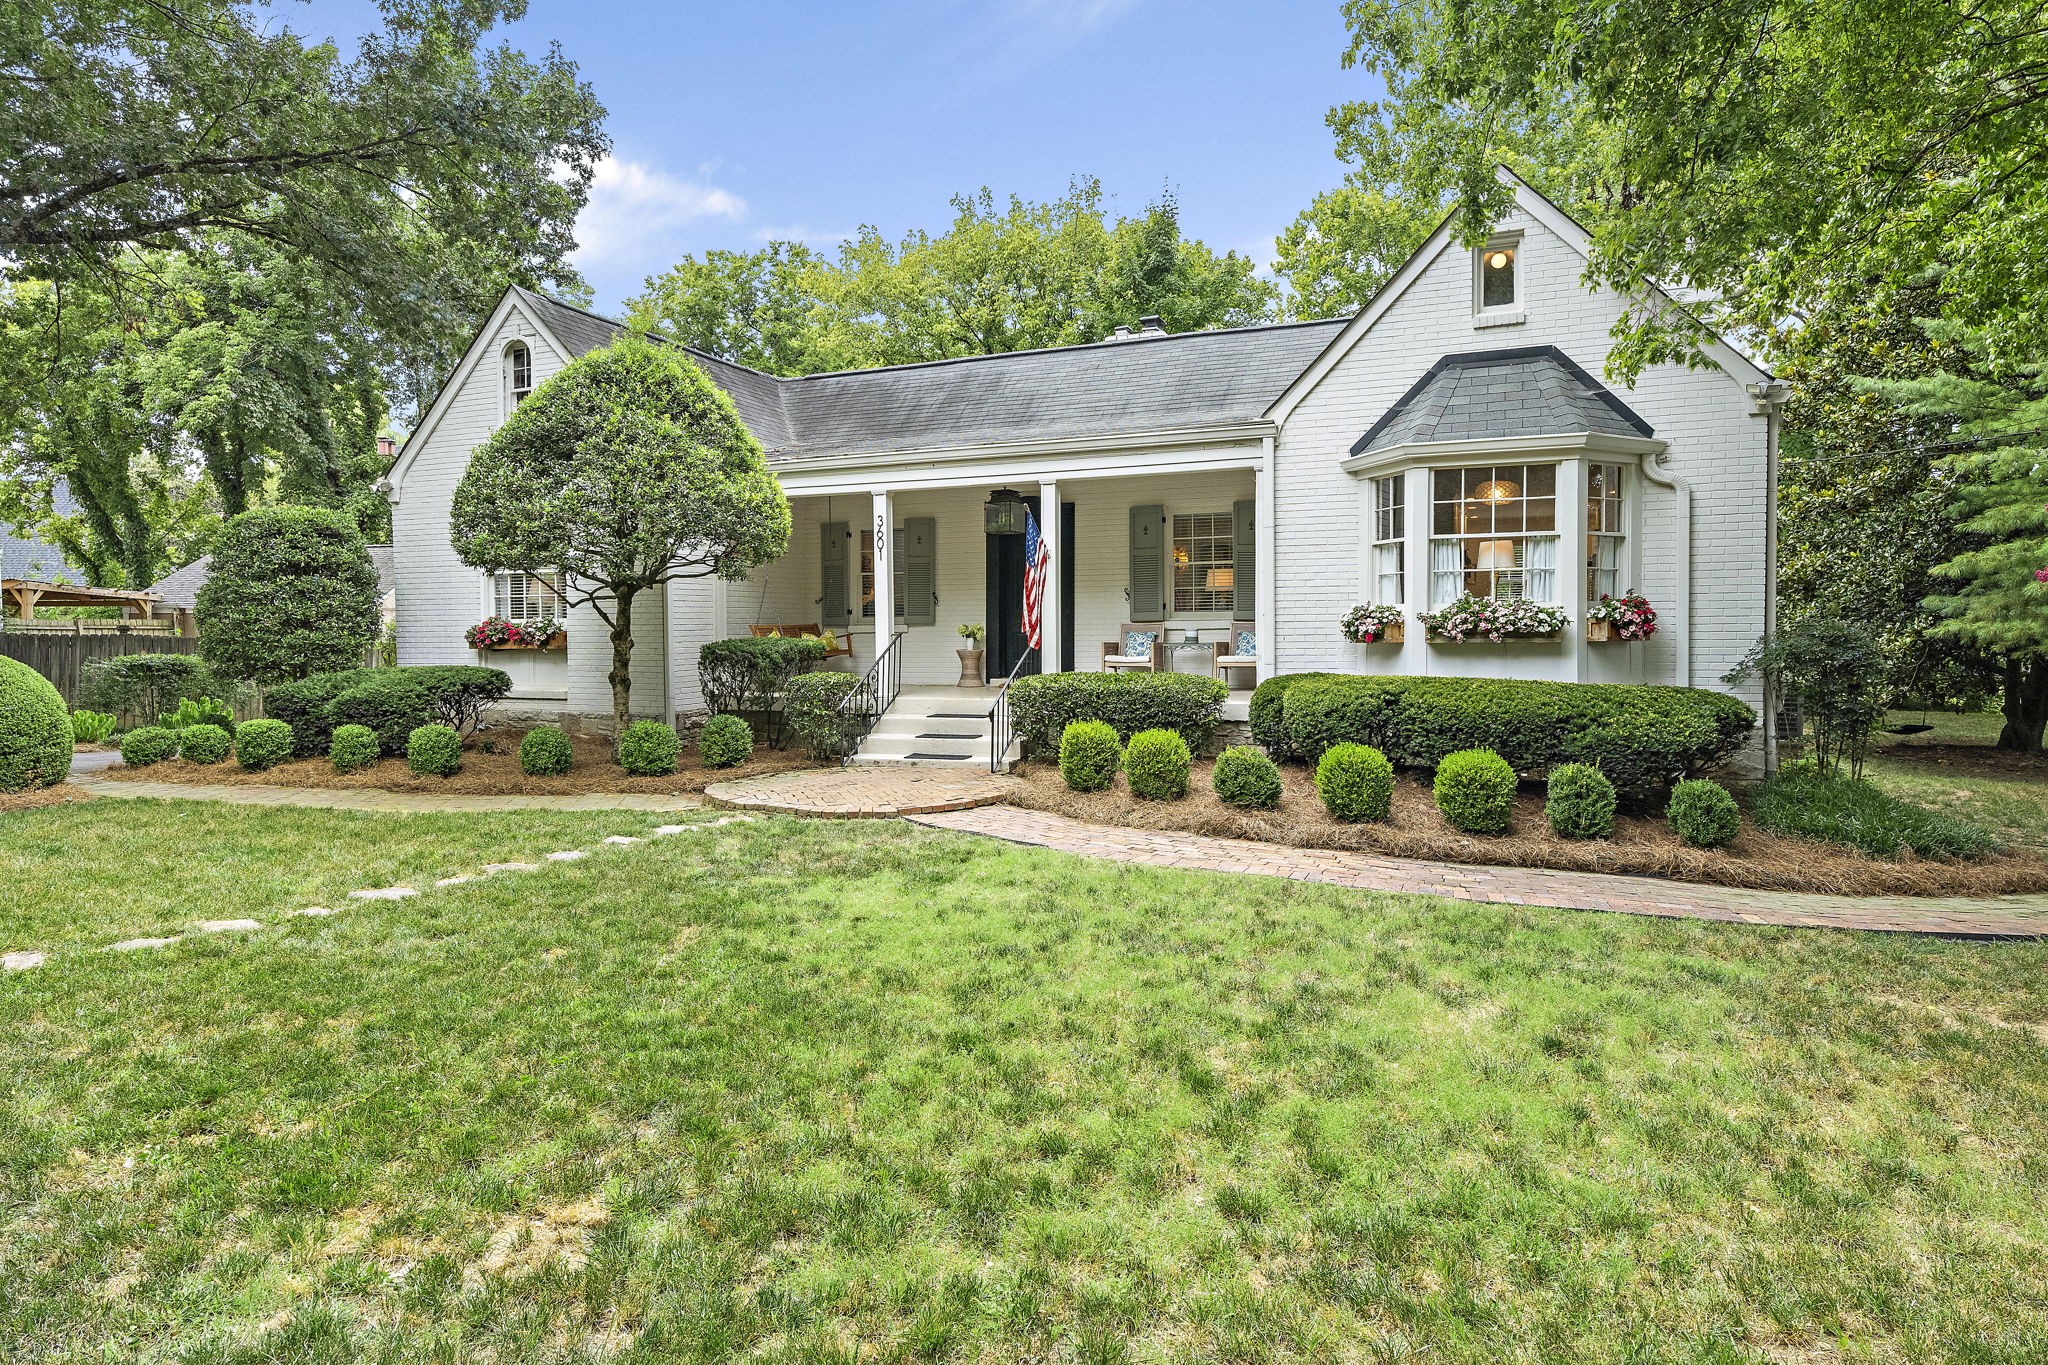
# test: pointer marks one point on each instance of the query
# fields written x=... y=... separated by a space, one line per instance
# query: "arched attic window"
x=518 y=374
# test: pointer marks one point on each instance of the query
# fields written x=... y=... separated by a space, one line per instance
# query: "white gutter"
x=1653 y=471
x=1201 y=434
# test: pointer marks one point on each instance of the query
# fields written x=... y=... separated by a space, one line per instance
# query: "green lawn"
x=820 y=1091
x=2012 y=803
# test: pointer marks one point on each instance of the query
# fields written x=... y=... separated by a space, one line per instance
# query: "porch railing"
x=1000 y=730
x=864 y=706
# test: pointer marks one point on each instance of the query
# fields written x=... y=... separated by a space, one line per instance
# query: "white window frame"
x=539 y=596
x=1606 y=529
x=514 y=395
x=1390 y=540
x=1484 y=313
x=864 y=572
x=1197 y=536
x=1531 y=564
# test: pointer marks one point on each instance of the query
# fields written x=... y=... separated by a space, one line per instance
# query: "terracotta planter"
x=970 y=667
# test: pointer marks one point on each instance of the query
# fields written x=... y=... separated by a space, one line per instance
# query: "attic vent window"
x=518 y=374
x=1497 y=282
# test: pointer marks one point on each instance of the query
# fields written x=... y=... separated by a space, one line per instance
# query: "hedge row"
x=392 y=702
x=1042 y=707
x=1642 y=737
x=750 y=672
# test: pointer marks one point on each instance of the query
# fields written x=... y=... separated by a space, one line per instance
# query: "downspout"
x=1682 y=491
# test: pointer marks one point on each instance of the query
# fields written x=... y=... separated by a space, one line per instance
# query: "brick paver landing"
x=862 y=793
x=1995 y=916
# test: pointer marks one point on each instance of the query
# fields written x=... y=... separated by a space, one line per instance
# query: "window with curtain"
x=1389 y=545
x=1204 y=563
x=1493 y=533
x=1604 y=531
x=867 y=573
x=528 y=596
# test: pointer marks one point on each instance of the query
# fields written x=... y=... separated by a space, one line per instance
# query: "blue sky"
x=739 y=122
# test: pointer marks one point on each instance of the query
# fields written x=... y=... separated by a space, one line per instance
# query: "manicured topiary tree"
x=1475 y=790
x=1355 y=782
x=726 y=742
x=1244 y=776
x=625 y=470
x=290 y=592
x=1090 y=754
x=1156 y=764
x=35 y=730
x=545 y=752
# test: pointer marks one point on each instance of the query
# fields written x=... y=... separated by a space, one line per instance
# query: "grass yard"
x=1953 y=769
x=847 y=1091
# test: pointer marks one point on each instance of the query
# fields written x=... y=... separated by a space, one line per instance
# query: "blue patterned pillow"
x=1138 y=643
x=1247 y=644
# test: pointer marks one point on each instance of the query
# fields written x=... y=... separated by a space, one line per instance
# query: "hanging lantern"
x=1003 y=513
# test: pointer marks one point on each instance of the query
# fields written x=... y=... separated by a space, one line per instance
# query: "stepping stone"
x=665 y=830
x=387 y=893
x=227 y=926
x=622 y=839
x=567 y=855
x=129 y=945
x=22 y=961
x=455 y=881
x=493 y=869
x=314 y=911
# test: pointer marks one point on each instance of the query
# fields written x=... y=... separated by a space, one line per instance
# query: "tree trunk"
x=621 y=675
x=2026 y=705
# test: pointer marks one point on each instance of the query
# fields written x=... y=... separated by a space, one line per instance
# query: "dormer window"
x=1497 y=288
x=518 y=374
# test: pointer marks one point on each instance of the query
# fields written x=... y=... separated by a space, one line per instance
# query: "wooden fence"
x=85 y=625
x=62 y=657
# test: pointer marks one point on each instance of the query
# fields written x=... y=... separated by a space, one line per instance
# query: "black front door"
x=1005 y=608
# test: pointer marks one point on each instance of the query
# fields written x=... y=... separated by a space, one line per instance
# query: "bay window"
x=1389 y=540
x=1604 y=531
x=1493 y=533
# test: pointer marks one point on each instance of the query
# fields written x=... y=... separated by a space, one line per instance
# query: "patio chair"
x=1141 y=650
x=1241 y=650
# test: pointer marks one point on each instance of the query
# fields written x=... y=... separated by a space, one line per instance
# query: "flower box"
x=1485 y=620
x=1599 y=632
x=1373 y=625
x=1626 y=618
x=1392 y=635
x=495 y=633
x=559 y=640
x=1549 y=637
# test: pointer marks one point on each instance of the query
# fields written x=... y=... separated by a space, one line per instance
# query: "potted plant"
x=1628 y=617
x=970 y=657
x=1371 y=625
x=1494 y=619
x=495 y=632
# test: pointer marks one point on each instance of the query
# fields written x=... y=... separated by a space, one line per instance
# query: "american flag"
x=1037 y=563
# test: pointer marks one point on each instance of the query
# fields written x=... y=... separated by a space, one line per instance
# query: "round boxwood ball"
x=1580 y=803
x=147 y=744
x=35 y=730
x=1244 y=776
x=204 y=743
x=1157 y=764
x=726 y=742
x=545 y=752
x=434 y=750
x=1355 y=782
x=353 y=748
x=1475 y=789
x=1703 y=813
x=649 y=749
x=1090 y=754
x=261 y=744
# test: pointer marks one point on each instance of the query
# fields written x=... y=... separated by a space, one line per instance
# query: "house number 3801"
x=881 y=534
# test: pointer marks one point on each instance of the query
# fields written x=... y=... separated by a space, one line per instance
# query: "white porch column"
x=884 y=528
x=1050 y=626
x=1266 y=566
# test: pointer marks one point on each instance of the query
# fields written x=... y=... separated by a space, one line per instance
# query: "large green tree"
x=627 y=469
x=290 y=592
x=1001 y=277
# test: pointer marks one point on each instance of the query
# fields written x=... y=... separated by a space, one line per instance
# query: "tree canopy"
x=290 y=592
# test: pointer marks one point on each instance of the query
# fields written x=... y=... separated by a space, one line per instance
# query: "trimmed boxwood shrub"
x=1244 y=776
x=434 y=750
x=204 y=743
x=391 y=701
x=289 y=591
x=1642 y=737
x=35 y=730
x=262 y=744
x=303 y=706
x=1580 y=803
x=1157 y=763
x=1268 y=712
x=147 y=744
x=545 y=752
x=748 y=673
x=1703 y=814
x=1355 y=782
x=726 y=742
x=391 y=706
x=1475 y=790
x=810 y=707
x=1090 y=754
x=649 y=749
x=1043 y=706
x=353 y=749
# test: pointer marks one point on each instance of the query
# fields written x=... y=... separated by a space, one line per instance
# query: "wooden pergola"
x=26 y=594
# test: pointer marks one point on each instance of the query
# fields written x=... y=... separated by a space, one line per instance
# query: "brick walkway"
x=862 y=793
x=1988 y=917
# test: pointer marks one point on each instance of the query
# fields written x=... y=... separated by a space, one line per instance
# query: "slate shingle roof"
x=1481 y=395
x=27 y=557
x=180 y=589
x=1106 y=389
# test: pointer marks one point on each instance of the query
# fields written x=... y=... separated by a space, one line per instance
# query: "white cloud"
x=1066 y=19
x=637 y=212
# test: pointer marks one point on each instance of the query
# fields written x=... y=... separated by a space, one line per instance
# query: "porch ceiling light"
x=1003 y=513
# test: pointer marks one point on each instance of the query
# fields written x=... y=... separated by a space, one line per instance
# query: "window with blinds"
x=1204 y=563
x=529 y=597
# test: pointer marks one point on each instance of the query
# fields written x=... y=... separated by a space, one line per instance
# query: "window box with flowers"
x=495 y=632
x=1493 y=620
x=1628 y=617
x=1373 y=625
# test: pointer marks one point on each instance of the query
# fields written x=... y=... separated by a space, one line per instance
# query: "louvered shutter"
x=1148 y=563
x=920 y=571
x=1244 y=557
x=835 y=608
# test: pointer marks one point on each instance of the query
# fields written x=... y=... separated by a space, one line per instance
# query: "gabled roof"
x=1508 y=394
x=25 y=557
x=179 y=590
x=1146 y=383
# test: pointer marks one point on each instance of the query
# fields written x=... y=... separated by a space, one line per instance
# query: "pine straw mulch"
x=482 y=774
x=36 y=797
x=1642 y=845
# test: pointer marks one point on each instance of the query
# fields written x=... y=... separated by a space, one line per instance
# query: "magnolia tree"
x=290 y=591
x=627 y=469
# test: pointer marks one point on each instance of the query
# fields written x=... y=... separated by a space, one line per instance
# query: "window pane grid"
x=1204 y=562
x=1604 y=531
x=1493 y=533
x=1390 y=551
x=529 y=597
x=867 y=573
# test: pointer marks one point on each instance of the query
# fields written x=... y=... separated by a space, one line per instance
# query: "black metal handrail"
x=999 y=714
x=863 y=707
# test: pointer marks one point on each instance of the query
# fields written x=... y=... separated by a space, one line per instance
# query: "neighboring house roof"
x=1488 y=395
x=32 y=559
x=1148 y=382
x=179 y=591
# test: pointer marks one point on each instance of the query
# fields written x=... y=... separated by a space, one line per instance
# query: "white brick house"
x=1262 y=479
